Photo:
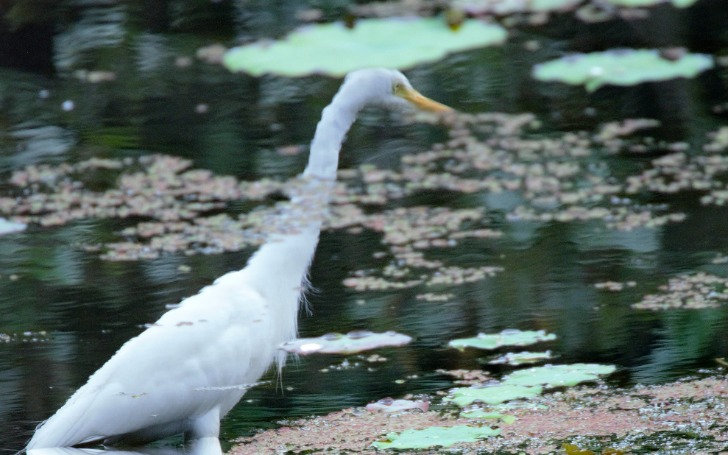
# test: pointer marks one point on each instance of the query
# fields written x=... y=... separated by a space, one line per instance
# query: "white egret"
x=187 y=370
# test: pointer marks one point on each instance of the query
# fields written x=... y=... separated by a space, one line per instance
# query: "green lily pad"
x=505 y=7
x=497 y=394
x=558 y=375
x=8 y=227
x=480 y=414
x=521 y=358
x=434 y=437
x=621 y=67
x=351 y=343
x=642 y=3
x=334 y=49
x=508 y=337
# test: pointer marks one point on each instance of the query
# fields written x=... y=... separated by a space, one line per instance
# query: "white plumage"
x=186 y=371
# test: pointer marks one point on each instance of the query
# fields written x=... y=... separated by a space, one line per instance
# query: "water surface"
x=67 y=311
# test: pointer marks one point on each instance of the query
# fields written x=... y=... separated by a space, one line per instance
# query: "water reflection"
x=39 y=142
x=203 y=446
x=99 y=26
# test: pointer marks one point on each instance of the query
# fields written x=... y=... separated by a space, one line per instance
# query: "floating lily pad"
x=642 y=3
x=621 y=67
x=351 y=343
x=521 y=358
x=8 y=227
x=558 y=375
x=434 y=437
x=508 y=337
x=505 y=7
x=481 y=414
x=335 y=50
x=496 y=394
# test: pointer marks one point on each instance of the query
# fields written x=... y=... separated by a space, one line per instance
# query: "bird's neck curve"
x=331 y=130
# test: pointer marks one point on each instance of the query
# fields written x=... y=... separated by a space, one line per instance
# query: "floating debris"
x=630 y=417
x=212 y=54
x=614 y=286
x=627 y=127
x=25 y=337
x=697 y=291
x=521 y=358
x=351 y=343
x=467 y=377
x=434 y=297
x=94 y=76
x=720 y=259
x=168 y=207
x=9 y=227
x=389 y=405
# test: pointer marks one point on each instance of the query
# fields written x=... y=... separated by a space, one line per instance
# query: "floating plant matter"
x=493 y=394
x=521 y=358
x=505 y=7
x=631 y=417
x=558 y=375
x=621 y=67
x=168 y=207
x=480 y=414
x=9 y=227
x=351 y=343
x=642 y=3
x=698 y=291
x=508 y=337
x=391 y=405
x=335 y=49
x=434 y=437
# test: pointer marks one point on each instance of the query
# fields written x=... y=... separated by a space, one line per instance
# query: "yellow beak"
x=421 y=101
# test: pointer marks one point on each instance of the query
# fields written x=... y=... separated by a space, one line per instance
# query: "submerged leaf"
x=335 y=50
x=434 y=437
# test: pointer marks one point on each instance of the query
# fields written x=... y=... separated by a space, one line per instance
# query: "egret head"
x=390 y=88
x=361 y=88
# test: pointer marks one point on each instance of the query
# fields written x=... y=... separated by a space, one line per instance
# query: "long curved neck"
x=278 y=269
x=336 y=119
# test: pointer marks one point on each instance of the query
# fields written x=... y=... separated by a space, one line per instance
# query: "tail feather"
x=66 y=428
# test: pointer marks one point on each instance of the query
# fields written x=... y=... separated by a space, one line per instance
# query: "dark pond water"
x=66 y=311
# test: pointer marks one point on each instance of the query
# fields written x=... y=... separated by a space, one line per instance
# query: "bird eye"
x=397 y=87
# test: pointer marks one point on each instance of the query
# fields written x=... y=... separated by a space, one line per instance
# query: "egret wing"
x=195 y=357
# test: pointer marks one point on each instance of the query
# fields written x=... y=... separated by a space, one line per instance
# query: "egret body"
x=187 y=370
